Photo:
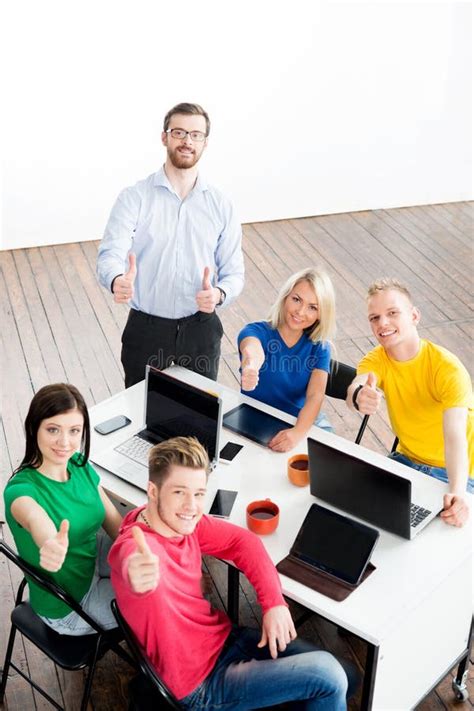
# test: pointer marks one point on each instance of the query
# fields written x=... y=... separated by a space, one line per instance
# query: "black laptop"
x=172 y=408
x=370 y=492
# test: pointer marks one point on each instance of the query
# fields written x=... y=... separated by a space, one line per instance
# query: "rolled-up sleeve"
x=229 y=258
x=118 y=237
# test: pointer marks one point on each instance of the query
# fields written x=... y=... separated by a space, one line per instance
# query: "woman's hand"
x=252 y=359
x=54 y=549
x=286 y=439
x=249 y=379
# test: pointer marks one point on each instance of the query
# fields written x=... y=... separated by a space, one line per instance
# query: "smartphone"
x=115 y=423
x=230 y=451
x=222 y=504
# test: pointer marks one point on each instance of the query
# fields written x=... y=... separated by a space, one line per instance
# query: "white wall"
x=317 y=107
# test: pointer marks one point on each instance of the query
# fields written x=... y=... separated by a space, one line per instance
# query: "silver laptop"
x=370 y=492
x=172 y=409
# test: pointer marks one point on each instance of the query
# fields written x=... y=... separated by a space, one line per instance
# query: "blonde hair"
x=388 y=284
x=178 y=451
x=324 y=328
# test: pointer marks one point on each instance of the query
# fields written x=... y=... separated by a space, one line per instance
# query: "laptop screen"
x=174 y=408
x=360 y=488
x=334 y=544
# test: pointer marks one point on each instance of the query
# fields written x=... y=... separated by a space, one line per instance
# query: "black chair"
x=69 y=652
x=340 y=377
x=147 y=691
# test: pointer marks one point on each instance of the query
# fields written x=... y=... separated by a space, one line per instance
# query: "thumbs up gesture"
x=369 y=397
x=123 y=284
x=54 y=549
x=209 y=296
x=143 y=565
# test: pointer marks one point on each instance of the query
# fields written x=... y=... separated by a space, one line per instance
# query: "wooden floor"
x=59 y=325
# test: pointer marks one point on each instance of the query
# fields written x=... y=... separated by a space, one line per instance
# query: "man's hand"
x=143 y=565
x=123 y=285
x=278 y=630
x=368 y=397
x=455 y=510
x=53 y=551
x=209 y=296
x=285 y=440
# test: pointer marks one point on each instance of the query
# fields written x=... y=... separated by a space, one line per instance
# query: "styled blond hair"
x=388 y=284
x=324 y=328
x=178 y=451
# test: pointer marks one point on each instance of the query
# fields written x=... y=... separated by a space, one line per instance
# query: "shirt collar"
x=162 y=181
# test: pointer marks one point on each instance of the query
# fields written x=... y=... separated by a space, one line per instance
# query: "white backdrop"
x=316 y=107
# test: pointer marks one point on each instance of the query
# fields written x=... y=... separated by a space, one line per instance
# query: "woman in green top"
x=55 y=509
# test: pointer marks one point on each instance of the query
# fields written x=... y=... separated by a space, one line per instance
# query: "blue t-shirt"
x=284 y=376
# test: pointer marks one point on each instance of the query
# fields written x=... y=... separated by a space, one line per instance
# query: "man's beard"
x=187 y=160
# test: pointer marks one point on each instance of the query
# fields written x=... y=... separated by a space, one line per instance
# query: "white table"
x=414 y=611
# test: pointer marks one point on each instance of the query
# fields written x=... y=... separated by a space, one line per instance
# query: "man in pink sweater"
x=156 y=572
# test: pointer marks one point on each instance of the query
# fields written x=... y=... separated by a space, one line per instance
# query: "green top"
x=77 y=500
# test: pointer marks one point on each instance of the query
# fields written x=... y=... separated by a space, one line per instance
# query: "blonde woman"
x=285 y=360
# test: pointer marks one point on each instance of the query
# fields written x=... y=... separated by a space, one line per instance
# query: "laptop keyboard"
x=135 y=448
x=417 y=515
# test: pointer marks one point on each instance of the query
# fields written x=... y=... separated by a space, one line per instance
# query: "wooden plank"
x=432 y=281
x=42 y=266
x=39 y=319
x=435 y=250
x=435 y=240
x=456 y=217
x=102 y=358
x=14 y=370
x=443 y=225
x=31 y=352
x=98 y=298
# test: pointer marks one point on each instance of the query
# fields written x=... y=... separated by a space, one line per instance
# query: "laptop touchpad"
x=134 y=473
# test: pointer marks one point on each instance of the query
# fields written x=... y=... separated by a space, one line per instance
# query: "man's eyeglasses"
x=181 y=134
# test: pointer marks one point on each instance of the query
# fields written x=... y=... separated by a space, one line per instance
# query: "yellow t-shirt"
x=417 y=392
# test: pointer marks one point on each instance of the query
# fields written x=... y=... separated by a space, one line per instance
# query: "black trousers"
x=193 y=342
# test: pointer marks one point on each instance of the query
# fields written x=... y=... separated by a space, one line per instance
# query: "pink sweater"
x=181 y=633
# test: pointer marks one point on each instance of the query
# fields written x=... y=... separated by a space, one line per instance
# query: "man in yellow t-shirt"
x=428 y=393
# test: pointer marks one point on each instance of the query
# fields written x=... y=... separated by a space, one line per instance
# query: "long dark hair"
x=49 y=401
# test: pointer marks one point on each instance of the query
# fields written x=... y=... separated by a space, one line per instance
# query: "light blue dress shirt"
x=173 y=240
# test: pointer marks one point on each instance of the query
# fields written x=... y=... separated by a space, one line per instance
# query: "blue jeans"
x=246 y=677
x=96 y=601
x=436 y=472
x=323 y=422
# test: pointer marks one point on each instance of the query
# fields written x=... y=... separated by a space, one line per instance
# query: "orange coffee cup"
x=262 y=516
x=298 y=471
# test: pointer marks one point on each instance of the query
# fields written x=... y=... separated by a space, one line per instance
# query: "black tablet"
x=254 y=424
x=335 y=544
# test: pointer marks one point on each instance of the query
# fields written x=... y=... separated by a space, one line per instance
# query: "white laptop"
x=172 y=409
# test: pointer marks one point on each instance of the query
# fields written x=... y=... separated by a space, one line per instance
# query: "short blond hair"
x=388 y=284
x=179 y=451
x=324 y=328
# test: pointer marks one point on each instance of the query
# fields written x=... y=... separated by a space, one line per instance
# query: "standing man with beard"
x=172 y=249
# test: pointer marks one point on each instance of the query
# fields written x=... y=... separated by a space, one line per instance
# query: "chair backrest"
x=142 y=660
x=44 y=581
x=340 y=377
